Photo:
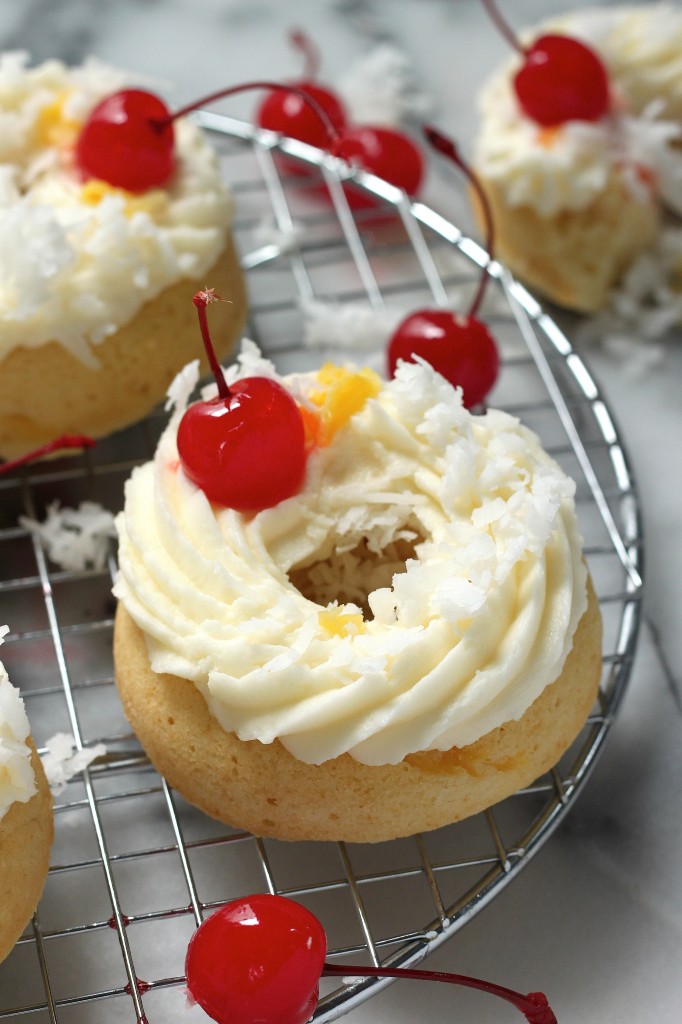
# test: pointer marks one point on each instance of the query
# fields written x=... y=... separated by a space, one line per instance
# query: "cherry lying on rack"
x=459 y=346
x=379 y=149
x=286 y=111
x=259 y=960
x=384 y=152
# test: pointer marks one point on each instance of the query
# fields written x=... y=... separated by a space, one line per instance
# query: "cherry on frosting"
x=561 y=79
x=459 y=346
x=259 y=960
x=128 y=141
x=286 y=111
x=245 y=448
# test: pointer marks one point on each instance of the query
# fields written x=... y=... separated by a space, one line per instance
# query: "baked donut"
x=95 y=306
x=25 y=819
x=407 y=640
x=576 y=203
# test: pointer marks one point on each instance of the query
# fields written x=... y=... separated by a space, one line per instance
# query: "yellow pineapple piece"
x=340 y=623
x=53 y=127
x=343 y=392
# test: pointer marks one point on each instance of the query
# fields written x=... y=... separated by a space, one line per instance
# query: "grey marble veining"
x=45 y=30
x=596 y=919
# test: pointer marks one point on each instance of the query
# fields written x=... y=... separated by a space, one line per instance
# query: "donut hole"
x=350 y=576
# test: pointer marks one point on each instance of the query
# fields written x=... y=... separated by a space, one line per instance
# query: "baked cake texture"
x=26 y=826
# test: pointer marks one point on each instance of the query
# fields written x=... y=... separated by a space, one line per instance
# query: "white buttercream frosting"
x=17 y=781
x=566 y=168
x=460 y=638
x=78 y=260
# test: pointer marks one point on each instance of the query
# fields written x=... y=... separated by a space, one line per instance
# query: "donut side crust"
x=576 y=257
x=26 y=833
x=263 y=789
x=47 y=391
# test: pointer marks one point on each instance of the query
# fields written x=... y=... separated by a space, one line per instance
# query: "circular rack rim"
x=541 y=335
x=529 y=316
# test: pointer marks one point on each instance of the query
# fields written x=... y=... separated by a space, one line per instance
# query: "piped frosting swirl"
x=445 y=646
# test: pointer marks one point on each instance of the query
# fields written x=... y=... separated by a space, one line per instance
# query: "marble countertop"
x=595 y=919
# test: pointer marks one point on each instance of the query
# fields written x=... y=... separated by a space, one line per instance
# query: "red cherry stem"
x=446 y=146
x=533 y=1006
x=311 y=54
x=65 y=441
x=201 y=300
x=332 y=133
x=503 y=27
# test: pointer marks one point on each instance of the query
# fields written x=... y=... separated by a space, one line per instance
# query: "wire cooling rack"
x=135 y=868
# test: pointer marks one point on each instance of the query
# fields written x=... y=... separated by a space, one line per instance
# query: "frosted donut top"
x=451 y=643
x=17 y=782
x=79 y=259
x=567 y=167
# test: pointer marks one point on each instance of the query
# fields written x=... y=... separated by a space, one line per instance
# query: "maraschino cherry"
x=385 y=152
x=460 y=347
x=245 y=448
x=128 y=141
x=286 y=111
x=63 y=443
x=128 y=138
x=382 y=151
x=561 y=79
x=259 y=960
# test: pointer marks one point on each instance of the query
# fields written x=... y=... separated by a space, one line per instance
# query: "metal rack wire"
x=134 y=867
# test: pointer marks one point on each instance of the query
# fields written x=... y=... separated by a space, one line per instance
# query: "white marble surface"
x=596 y=919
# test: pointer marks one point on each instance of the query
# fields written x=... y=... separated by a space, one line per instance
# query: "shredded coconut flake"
x=644 y=308
x=75 y=539
x=266 y=233
x=381 y=88
x=181 y=387
x=62 y=761
x=351 y=326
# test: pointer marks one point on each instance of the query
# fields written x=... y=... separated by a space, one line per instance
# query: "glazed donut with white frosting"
x=575 y=204
x=405 y=641
x=95 y=303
